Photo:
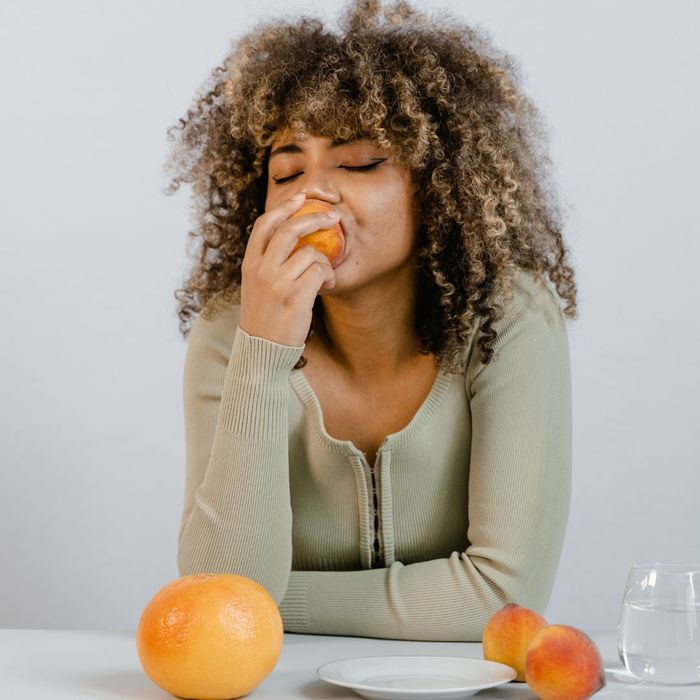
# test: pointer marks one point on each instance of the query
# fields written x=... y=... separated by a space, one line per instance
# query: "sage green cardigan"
x=464 y=510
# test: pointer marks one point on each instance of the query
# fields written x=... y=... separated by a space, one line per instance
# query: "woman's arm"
x=519 y=495
x=237 y=511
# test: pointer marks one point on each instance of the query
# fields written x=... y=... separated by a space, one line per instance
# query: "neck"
x=369 y=333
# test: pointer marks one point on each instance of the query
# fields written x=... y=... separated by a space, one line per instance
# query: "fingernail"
x=298 y=197
x=332 y=214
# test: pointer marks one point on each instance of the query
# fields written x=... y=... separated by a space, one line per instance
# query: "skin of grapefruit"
x=210 y=636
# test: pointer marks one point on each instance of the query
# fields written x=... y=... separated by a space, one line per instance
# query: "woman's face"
x=378 y=206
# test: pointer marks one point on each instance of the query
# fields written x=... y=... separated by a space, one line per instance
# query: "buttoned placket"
x=375 y=505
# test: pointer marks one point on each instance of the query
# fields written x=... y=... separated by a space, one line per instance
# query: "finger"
x=302 y=259
x=312 y=280
x=282 y=244
x=268 y=222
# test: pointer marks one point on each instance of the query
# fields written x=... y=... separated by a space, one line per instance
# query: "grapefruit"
x=210 y=636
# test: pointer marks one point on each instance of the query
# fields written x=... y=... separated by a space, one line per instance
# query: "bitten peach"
x=563 y=663
x=330 y=241
x=508 y=634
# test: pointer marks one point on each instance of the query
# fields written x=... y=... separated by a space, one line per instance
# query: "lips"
x=345 y=253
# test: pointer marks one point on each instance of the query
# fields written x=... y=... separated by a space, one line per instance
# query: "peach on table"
x=556 y=661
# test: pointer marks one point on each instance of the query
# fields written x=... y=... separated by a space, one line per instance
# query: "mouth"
x=345 y=253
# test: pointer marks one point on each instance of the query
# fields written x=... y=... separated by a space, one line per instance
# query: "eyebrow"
x=294 y=148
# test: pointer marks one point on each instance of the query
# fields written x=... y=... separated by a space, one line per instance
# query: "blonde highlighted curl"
x=439 y=95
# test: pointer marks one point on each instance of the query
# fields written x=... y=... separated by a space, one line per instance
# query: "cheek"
x=393 y=223
x=268 y=200
x=384 y=205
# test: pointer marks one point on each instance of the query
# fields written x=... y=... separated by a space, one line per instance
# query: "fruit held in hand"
x=508 y=633
x=563 y=663
x=210 y=636
x=330 y=241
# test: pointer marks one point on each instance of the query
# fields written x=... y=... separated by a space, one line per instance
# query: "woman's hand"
x=278 y=290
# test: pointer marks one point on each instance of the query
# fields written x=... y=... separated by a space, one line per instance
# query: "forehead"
x=293 y=142
x=284 y=136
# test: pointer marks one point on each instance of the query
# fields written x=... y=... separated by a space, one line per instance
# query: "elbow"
x=537 y=596
x=274 y=582
x=183 y=567
x=528 y=588
x=532 y=593
x=186 y=567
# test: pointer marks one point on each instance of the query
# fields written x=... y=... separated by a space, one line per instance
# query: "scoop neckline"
x=310 y=400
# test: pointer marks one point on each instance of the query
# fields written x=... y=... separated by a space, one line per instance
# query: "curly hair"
x=435 y=91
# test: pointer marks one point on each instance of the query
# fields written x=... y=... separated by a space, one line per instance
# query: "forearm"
x=240 y=517
x=225 y=531
x=439 y=600
x=447 y=599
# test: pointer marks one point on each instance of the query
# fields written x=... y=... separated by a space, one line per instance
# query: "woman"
x=385 y=444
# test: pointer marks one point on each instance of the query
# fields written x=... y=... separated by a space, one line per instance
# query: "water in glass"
x=661 y=641
x=659 y=635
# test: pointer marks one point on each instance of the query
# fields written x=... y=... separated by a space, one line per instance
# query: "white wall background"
x=92 y=436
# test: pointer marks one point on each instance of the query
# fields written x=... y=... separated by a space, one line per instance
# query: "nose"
x=316 y=185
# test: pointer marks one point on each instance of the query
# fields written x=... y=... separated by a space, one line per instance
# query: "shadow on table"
x=318 y=690
x=127 y=684
x=510 y=690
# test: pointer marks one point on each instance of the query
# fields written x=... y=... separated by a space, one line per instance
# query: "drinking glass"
x=658 y=636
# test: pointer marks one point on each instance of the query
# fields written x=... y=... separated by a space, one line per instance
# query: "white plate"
x=435 y=677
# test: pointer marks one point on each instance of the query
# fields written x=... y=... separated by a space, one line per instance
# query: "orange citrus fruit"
x=210 y=636
x=330 y=241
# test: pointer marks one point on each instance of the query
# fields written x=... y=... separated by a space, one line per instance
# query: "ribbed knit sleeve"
x=518 y=501
x=237 y=515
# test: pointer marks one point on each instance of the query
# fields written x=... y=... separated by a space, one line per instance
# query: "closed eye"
x=370 y=166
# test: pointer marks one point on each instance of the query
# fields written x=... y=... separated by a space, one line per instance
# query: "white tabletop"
x=95 y=665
